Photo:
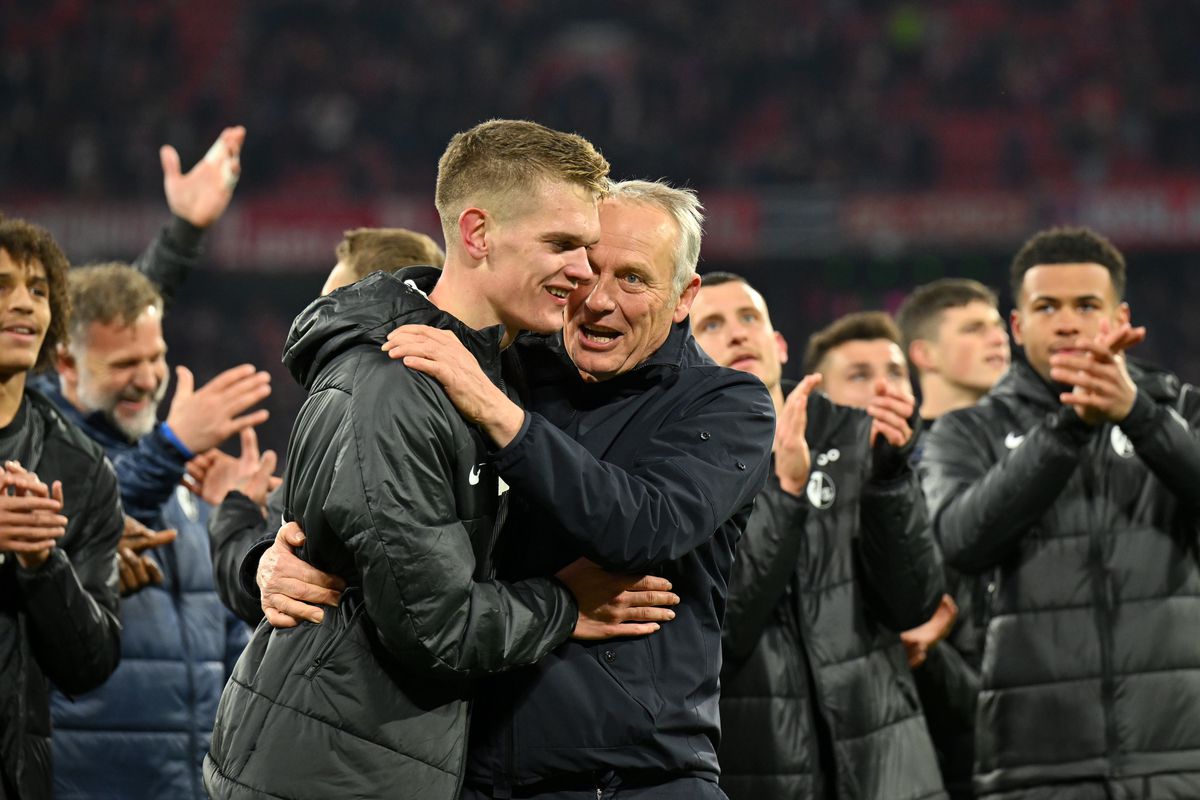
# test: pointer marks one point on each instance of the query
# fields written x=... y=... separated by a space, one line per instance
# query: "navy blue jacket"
x=652 y=471
x=144 y=733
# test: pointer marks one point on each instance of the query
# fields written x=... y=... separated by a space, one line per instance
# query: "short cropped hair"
x=860 y=326
x=683 y=206
x=921 y=312
x=504 y=156
x=25 y=243
x=1068 y=245
x=365 y=250
x=107 y=293
x=719 y=277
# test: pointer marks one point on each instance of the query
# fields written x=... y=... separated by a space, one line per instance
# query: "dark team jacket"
x=651 y=471
x=948 y=679
x=396 y=494
x=1091 y=667
x=817 y=697
x=61 y=619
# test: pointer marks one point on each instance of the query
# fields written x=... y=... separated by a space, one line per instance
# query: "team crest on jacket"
x=1121 y=444
x=821 y=490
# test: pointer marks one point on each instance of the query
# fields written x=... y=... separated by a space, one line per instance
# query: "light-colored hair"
x=504 y=157
x=683 y=206
x=106 y=293
x=365 y=250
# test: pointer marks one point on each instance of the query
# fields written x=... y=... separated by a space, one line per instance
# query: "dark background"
x=788 y=117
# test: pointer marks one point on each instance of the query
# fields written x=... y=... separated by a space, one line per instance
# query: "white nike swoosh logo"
x=474 y=478
x=1013 y=440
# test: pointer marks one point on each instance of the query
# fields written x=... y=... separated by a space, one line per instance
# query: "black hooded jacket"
x=58 y=622
x=396 y=494
x=817 y=697
x=1091 y=665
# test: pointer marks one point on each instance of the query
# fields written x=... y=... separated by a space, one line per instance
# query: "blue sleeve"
x=148 y=474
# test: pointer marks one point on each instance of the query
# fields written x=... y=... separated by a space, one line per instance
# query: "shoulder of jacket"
x=62 y=435
x=382 y=392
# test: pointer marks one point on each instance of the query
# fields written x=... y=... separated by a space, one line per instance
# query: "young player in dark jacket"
x=1073 y=485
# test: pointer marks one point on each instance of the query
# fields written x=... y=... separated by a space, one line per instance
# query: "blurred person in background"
x=837 y=559
x=1072 y=486
x=60 y=521
x=364 y=250
x=179 y=642
x=957 y=343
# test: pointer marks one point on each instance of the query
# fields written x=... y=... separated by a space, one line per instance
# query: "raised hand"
x=792 y=461
x=202 y=195
x=890 y=410
x=213 y=474
x=612 y=605
x=203 y=418
x=1103 y=390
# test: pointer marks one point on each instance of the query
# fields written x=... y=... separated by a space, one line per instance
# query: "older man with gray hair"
x=639 y=453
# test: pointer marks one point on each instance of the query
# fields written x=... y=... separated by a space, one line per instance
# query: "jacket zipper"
x=328 y=649
x=1102 y=592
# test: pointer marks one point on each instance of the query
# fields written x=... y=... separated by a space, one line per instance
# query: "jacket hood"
x=366 y=312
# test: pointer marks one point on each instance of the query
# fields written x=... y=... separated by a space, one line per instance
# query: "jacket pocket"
x=349 y=611
x=630 y=664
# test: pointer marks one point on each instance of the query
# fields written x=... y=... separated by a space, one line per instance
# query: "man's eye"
x=631 y=278
x=709 y=326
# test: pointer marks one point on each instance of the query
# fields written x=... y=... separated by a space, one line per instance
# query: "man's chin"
x=136 y=426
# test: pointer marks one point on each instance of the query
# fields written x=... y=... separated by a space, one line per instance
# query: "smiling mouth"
x=598 y=336
x=21 y=331
x=558 y=292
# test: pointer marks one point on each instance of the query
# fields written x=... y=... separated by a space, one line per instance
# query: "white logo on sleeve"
x=1120 y=443
x=821 y=490
x=1014 y=440
x=474 y=477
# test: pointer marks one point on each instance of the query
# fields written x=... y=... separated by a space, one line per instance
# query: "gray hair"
x=684 y=207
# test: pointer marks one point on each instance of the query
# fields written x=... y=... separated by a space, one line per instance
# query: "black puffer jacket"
x=1091 y=667
x=817 y=698
x=60 y=620
x=395 y=494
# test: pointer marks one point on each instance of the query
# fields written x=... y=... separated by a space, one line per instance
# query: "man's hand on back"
x=292 y=590
x=612 y=605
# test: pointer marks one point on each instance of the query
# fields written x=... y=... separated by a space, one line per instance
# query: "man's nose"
x=145 y=377
x=600 y=299
x=578 y=270
x=20 y=299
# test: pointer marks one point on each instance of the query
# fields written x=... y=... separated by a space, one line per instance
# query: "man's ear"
x=920 y=354
x=64 y=363
x=781 y=346
x=1123 y=313
x=683 y=306
x=1014 y=323
x=473 y=225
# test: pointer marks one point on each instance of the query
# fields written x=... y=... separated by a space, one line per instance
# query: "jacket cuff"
x=183 y=236
x=1142 y=419
x=504 y=455
x=46 y=572
x=163 y=443
x=1067 y=426
x=248 y=569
